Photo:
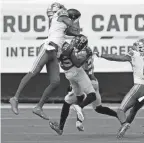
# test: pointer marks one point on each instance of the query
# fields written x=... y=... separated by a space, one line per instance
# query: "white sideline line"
x=30 y=106
x=123 y=141
x=56 y=117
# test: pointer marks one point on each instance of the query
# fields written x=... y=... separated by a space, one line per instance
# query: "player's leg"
x=68 y=101
x=86 y=96
x=76 y=107
x=73 y=76
x=86 y=86
x=128 y=102
x=97 y=105
x=41 y=60
x=54 y=79
x=134 y=111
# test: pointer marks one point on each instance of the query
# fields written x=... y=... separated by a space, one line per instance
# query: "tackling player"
x=51 y=49
x=83 y=92
x=88 y=66
x=136 y=58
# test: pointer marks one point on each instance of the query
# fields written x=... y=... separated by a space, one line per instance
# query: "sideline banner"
x=110 y=29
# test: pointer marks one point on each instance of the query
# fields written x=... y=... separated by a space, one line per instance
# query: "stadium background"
x=110 y=29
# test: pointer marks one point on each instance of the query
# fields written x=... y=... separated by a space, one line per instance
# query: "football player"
x=88 y=66
x=82 y=92
x=50 y=50
x=136 y=58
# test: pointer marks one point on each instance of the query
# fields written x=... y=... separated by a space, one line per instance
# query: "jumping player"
x=136 y=58
x=83 y=92
x=51 y=49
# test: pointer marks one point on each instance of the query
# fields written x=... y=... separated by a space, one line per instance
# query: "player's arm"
x=78 y=59
x=69 y=24
x=71 y=30
x=120 y=58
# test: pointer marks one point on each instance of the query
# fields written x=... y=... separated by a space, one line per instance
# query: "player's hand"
x=97 y=54
x=89 y=51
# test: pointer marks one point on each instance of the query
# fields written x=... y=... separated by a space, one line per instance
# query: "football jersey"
x=88 y=66
x=57 y=29
x=138 y=66
x=65 y=60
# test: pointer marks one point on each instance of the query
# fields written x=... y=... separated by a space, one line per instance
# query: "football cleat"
x=14 y=105
x=55 y=127
x=38 y=111
x=123 y=130
x=79 y=126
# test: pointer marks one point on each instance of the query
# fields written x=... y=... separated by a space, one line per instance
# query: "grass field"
x=29 y=128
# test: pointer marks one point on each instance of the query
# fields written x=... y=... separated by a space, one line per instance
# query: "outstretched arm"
x=120 y=58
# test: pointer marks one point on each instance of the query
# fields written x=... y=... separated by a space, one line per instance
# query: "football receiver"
x=50 y=51
x=136 y=58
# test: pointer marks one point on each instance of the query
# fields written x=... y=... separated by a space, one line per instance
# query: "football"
x=81 y=55
x=71 y=30
x=74 y=14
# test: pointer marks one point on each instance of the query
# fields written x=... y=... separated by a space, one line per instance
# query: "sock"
x=121 y=116
x=105 y=110
x=47 y=92
x=64 y=114
x=80 y=98
x=23 y=83
x=89 y=99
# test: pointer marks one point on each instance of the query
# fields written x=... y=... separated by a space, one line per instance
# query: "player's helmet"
x=139 y=45
x=49 y=12
x=79 y=42
x=56 y=6
x=74 y=14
